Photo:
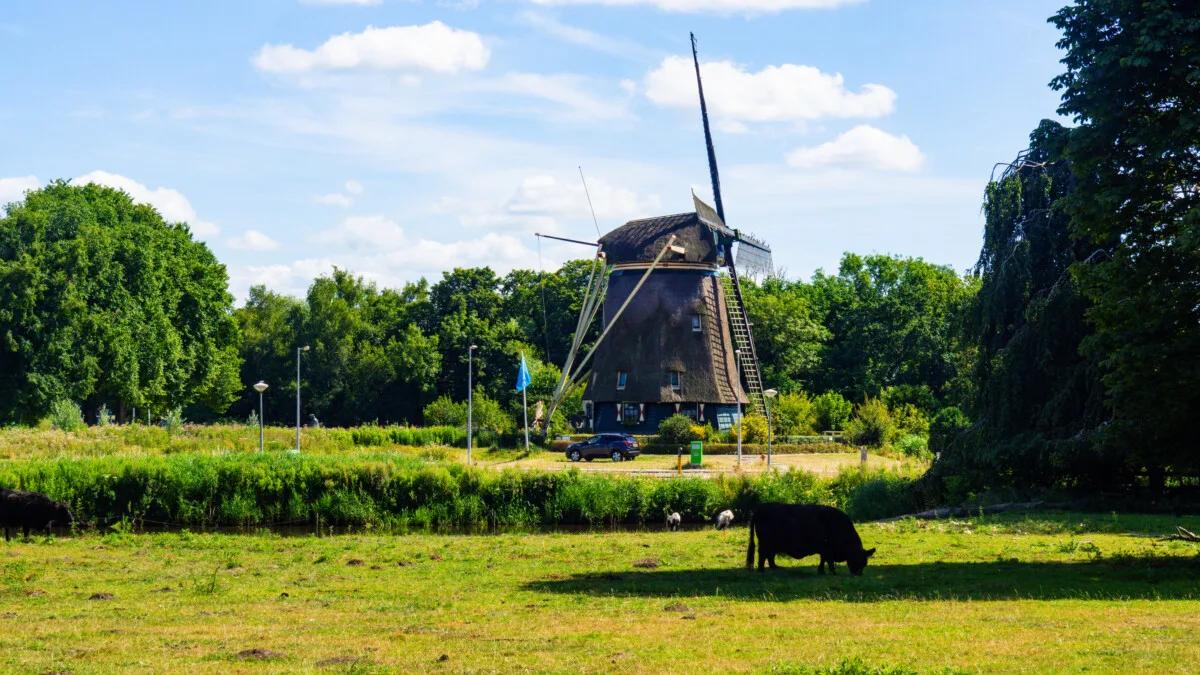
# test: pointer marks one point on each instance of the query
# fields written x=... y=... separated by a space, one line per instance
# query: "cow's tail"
x=750 y=546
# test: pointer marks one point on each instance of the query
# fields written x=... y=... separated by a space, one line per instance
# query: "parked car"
x=619 y=447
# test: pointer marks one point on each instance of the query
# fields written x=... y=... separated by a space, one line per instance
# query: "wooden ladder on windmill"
x=743 y=341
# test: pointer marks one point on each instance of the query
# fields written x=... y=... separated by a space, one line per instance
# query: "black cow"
x=801 y=530
x=31 y=511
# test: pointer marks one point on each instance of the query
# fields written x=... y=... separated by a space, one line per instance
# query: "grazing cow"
x=31 y=511
x=724 y=519
x=674 y=520
x=800 y=530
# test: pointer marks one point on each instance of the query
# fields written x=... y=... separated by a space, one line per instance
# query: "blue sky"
x=400 y=138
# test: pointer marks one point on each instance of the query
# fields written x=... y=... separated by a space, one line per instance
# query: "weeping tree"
x=1038 y=402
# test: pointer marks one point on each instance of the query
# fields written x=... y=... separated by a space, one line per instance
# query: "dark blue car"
x=619 y=447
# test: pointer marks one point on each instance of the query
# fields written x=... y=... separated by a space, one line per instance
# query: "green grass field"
x=1051 y=592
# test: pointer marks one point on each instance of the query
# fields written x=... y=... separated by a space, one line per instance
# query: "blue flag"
x=523 y=378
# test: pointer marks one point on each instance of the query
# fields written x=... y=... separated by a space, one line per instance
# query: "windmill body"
x=672 y=349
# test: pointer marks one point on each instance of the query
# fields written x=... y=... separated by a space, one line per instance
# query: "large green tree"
x=892 y=321
x=1132 y=85
x=103 y=302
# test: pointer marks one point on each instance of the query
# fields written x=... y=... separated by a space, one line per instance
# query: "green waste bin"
x=697 y=453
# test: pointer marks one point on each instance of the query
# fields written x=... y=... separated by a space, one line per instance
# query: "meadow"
x=1035 y=593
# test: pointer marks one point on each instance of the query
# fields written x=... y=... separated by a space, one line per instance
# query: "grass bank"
x=1048 y=593
x=387 y=490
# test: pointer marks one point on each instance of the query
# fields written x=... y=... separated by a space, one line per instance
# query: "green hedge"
x=730 y=448
x=390 y=491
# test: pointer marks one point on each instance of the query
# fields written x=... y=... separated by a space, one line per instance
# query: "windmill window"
x=622 y=377
x=674 y=379
x=697 y=324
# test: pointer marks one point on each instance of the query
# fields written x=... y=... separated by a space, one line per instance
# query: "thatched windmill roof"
x=639 y=241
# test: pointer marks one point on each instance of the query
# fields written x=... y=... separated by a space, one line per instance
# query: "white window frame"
x=697 y=323
x=674 y=378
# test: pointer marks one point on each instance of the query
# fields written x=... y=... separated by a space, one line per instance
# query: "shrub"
x=945 y=427
x=909 y=419
x=755 y=429
x=913 y=445
x=104 y=416
x=794 y=415
x=872 y=425
x=66 y=415
x=832 y=411
x=676 y=430
x=487 y=414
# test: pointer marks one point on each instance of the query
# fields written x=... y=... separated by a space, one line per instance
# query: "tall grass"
x=366 y=490
x=140 y=439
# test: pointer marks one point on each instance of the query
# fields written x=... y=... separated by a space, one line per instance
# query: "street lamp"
x=298 y=350
x=260 y=387
x=470 y=398
x=769 y=394
x=737 y=353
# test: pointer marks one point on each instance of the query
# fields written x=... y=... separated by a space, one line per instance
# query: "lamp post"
x=298 y=350
x=470 y=397
x=769 y=394
x=260 y=387
x=737 y=353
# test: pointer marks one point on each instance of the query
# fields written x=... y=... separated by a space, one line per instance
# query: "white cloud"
x=343 y=199
x=360 y=3
x=573 y=93
x=379 y=250
x=714 y=6
x=170 y=203
x=554 y=204
x=252 y=240
x=786 y=93
x=863 y=147
x=433 y=46
x=13 y=189
x=585 y=38
x=334 y=199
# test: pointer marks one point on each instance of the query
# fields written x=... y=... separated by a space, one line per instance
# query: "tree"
x=787 y=335
x=101 y=300
x=1038 y=401
x=369 y=360
x=892 y=321
x=1131 y=85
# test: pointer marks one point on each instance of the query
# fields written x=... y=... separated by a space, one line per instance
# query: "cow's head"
x=62 y=515
x=858 y=561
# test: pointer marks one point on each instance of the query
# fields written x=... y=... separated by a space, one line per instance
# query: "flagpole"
x=525 y=406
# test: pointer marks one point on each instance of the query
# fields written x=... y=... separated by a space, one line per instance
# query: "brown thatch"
x=654 y=336
x=641 y=240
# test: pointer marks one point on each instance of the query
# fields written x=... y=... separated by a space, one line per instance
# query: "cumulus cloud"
x=786 y=93
x=379 y=249
x=345 y=199
x=713 y=6
x=252 y=240
x=863 y=147
x=170 y=203
x=432 y=47
x=13 y=189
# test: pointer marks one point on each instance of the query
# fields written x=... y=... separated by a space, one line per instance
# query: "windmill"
x=675 y=336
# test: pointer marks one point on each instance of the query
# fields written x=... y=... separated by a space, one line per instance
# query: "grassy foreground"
x=1048 y=593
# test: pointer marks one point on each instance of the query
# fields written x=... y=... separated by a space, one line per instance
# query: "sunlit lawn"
x=822 y=464
x=1053 y=593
